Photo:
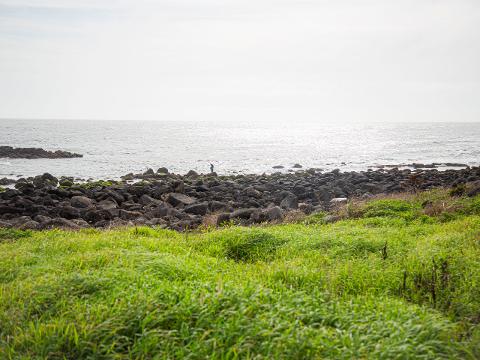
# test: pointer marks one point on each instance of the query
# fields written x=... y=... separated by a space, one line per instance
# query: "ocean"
x=115 y=148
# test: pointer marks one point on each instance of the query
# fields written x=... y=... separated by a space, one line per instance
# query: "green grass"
x=389 y=281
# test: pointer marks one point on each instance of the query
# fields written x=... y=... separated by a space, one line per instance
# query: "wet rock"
x=149 y=172
x=192 y=174
x=46 y=179
x=297 y=166
x=7 y=181
x=34 y=153
x=66 y=182
x=162 y=170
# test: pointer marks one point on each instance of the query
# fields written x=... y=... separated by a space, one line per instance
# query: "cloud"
x=185 y=59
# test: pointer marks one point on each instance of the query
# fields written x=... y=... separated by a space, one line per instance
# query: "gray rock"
x=330 y=219
x=7 y=181
x=19 y=221
x=81 y=202
x=290 y=202
x=176 y=199
x=217 y=206
x=59 y=223
x=44 y=180
x=274 y=213
x=129 y=215
x=147 y=200
x=29 y=225
x=69 y=212
x=107 y=205
x=80 y=222
x=242 y=213
x=197 y=208
x=42 y=218
x=252 y=192
x=192 y=174
x=338 y=201
x=5 y=224
x=159 y=211
x=162 y=170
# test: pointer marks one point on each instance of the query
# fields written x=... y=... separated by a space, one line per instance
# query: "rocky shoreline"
x=179 y=202
x=35 y=153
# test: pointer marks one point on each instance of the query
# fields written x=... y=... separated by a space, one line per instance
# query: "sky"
x=233 y=60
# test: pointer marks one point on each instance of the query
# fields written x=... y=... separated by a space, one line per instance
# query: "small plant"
x=13 y=234
x=99 y=183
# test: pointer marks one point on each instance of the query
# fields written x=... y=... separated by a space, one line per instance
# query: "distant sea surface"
x=115 y=148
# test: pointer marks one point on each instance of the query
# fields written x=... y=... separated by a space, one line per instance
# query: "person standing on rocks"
x=211 y=167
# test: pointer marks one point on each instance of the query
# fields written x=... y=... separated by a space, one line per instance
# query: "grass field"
x=394 y=278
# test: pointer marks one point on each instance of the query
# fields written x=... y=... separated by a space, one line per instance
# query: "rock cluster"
x=181 y=202
x=34 y=153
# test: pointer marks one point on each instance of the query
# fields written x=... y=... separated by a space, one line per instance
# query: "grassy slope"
x=391 y=283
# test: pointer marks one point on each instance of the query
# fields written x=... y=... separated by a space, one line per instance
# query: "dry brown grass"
x=294 y=216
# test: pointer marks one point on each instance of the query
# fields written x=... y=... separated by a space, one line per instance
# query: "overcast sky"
x=315 y=60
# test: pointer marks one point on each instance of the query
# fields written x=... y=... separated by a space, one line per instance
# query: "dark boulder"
x=197 y=208
x=177 y=199
x=69 y=212
x=289 y=202
x=81 y=202
x=274 y=213
x=46 y=179
x=29 y=225
x=242 y=213
x=59 y=223
x=34 y=153
x=217 y=206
